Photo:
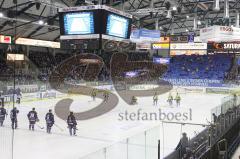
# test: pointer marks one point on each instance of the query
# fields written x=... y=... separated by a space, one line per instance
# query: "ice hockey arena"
x=119 y=79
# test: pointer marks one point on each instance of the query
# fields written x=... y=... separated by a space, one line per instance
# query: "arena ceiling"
x=146 y=14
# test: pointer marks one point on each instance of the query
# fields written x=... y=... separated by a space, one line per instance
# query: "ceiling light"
x=41 y=22
x=174 y=8
x=187 y=16
x=1 y=14
x=199 y=22
x=187 y=30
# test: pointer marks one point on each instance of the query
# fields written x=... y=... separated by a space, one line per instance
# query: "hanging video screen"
x=117 y=26
x=78 y=23
x=159 y=60
x=94 y=23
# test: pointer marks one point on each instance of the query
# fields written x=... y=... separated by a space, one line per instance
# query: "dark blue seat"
x=213 y=67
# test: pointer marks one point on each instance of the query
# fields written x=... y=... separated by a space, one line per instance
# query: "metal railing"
x=228 y=114
x=142 y=146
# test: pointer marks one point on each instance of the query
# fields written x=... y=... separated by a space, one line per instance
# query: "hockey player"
x=13 y=116
x=182 y=145
x=19 y=96
x=105 y=95
x=170 y=99
x=72 y=124
x=235 y=99
x=1 y=98
x=178 y=99
x=134 y=100
x=49 y=120
x=215 y=117
x=33 y=118
x=155 y=99
x=94 y=94
x=3 y=114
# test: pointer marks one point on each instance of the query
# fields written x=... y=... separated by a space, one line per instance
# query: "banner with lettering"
x=144 y=35
x=220 y=34
x=197 y=82
x=224 y=46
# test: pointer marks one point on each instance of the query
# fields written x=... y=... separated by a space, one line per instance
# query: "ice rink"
x=104 y=131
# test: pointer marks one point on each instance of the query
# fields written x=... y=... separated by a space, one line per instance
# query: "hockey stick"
x=41 y=127
x=75 y=128
x=208 y=122
x=196 y=133
x=61 y=129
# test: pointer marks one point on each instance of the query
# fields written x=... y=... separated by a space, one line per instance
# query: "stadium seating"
x=60 y=57
x=42 y=59
x=213 y=67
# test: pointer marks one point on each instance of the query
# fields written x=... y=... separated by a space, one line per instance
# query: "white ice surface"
x=236 y=154
x=103 y=131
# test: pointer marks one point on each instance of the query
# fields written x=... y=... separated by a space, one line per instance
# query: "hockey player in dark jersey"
x=49 y=120
x=155 y=99
x=134 y=100
x=19 y=96
x=33 y=118
x=3 y=114
x=1 y=98
x=72 y=123
x=13 y=116
x=170 y=99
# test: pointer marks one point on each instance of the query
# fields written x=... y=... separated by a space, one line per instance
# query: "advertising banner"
x=144 y=35
x=34 y=42
x=223 y=46
x=187 y=52
x=25 y=88
x=47 y=94
x=188 y=46
x=143 y=46
x=197 y=39
x=15 y=57
x=191 y=37
x=149 y=34
x=159 y=60
x=164 y=39
x=220 y=34
x=160 y=46
x=5 y=39
x=197 y=82
x=238 y=61
x=218 y=90
x=135 y=34
x=179 y=39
